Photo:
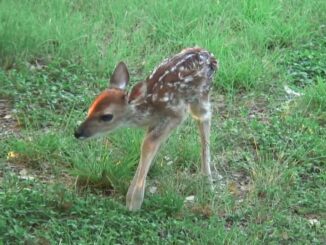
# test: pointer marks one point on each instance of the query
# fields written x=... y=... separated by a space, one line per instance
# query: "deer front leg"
x=201 y=112
x=204 y=131
x=152 y=141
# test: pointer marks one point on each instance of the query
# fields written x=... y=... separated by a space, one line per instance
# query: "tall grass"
x=245 y=35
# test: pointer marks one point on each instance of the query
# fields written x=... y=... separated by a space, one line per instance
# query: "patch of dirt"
x=239 y=185
x=45 y=176
x=8 y=123
x=256 y=106
x=15 y=163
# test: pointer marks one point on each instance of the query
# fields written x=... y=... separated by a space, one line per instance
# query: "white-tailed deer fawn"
x=160 y=103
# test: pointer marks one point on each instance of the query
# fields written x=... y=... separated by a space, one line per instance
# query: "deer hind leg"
x=201 y=112
x=152 y=141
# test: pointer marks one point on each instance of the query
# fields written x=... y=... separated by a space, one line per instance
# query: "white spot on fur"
x=151 y=76
x=165 y=73
x=188 y=79
x=202 y=57
x=165 y=61
x=165 y=98
x=173 y=68
x=183 y=60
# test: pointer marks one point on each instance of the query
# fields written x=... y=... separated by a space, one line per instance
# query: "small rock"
x=23 y=175
x=314 y=222
x=7 y=116
x=190 y=199
x=23 y=172
x=152 y=189
x=32 y=68
x=291 y=92
x=285 y=235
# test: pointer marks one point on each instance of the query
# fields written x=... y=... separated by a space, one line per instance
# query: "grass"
x=268 y=146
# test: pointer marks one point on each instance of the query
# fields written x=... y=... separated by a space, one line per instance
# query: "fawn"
x=160 y=104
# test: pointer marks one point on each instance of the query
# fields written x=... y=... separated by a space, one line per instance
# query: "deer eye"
x=106 y=117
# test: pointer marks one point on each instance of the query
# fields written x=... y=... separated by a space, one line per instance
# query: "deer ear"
x=120 y=77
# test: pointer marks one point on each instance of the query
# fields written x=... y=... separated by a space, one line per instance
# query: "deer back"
x=178 y=81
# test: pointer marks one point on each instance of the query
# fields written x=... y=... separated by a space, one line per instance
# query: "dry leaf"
x=233 y=188
x=12 y=155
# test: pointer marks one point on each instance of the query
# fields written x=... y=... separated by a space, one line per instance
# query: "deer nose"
x=78 y=133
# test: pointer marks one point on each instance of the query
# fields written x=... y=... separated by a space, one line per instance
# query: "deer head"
x=111 y=109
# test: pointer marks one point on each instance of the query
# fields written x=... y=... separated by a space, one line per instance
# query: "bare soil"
x=8 y=122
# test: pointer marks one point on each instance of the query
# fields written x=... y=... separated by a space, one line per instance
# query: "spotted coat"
x=177 y=82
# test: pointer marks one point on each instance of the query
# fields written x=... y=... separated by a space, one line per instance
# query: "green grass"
x=267 y=146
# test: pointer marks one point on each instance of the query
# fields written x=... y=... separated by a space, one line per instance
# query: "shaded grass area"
x=62 y=214
x=268 y=146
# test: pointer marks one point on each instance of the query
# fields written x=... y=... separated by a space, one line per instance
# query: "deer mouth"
x=82 y=134
x=79 y=135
